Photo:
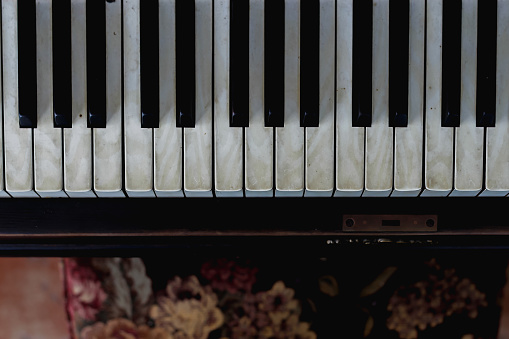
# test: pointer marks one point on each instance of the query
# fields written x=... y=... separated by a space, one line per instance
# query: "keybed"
x=283 y=115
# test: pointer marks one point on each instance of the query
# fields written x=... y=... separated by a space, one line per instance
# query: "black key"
x=27 y=68
x=274 y=77
x=185 y=63
x=486 y=63
x=362 y=63
x=309 y=62
x=398 y=62
x=451 y=63
x=96 y=63
x=149 y=55
x=239 y=63
x=62 y=81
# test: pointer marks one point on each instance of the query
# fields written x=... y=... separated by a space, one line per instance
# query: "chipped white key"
x=290 y=139
x=108 y=141
x=379 y=137
x=198 y=179
x=438 y=148
x=228 y=140
x=258 y=138
x=320 y=140
x=17 y=141
x=469 y=141
x=137 y=140
x=409 y=140
x=497 y=138
x=78 y=139
x=167 y=138
x=48 y=170
x=349 y=140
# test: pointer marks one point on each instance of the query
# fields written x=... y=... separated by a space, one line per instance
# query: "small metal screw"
x=430 y=222
x=349 y=222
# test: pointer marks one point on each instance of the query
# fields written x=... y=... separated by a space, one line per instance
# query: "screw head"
x=430 y=222
x=349 y=222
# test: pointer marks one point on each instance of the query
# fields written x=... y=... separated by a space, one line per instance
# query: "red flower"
x=85 y=293
x=227 y=275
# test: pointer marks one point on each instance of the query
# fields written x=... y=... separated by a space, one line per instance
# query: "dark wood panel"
x=115 y=224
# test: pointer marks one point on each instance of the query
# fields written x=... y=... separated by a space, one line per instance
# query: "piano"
x=285 y=120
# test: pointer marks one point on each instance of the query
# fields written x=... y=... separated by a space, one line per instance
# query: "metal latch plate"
x=389 y=223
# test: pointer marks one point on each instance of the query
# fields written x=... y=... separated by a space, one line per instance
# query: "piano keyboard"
x=233 y=98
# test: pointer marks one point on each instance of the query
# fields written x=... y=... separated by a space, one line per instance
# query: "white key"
x=349 y=140
x=78 y=139
x=48 y=170
x=17 y=141
x=290 y=139
x=379 y=137
x=137 y=141
x=438 y=140
x=409 y=140
x=167 y=138
x=320 y=140
x=198 y=140
x=3 y=193
x=227 y=140
x=497 y=138
x=258 y=138
x=108 y=141
x=469 y=141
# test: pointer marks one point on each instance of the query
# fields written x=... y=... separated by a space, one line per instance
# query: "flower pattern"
x=188 y=309
x=270 y=314
x=122 y=329
x=227 y=275
x=121 y=298
x=85 y=293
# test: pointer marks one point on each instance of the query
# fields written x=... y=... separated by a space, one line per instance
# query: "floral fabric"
x=232 y=298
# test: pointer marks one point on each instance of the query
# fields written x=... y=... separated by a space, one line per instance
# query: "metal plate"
x=389 y=223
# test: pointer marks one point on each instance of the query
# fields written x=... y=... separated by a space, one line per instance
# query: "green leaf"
x=328 y=285
x=379 y=282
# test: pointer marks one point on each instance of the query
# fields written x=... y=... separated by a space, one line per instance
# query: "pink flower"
x=85 y=293
x=227 y=275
